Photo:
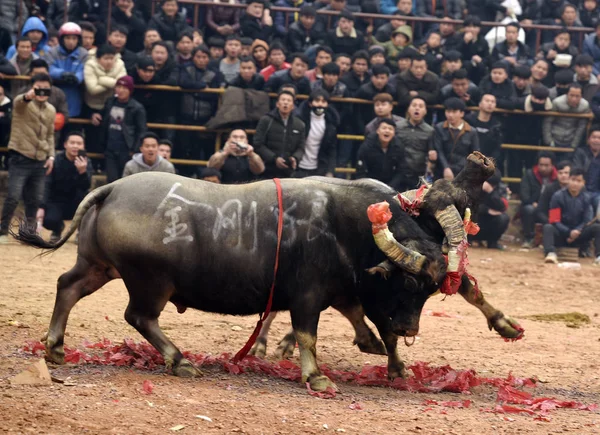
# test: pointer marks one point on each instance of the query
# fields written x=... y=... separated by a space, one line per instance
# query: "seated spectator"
x=125 y=13
x=276 y=59
x=199 y=37
x=118 y=39
x=417 y=82
x=5 y=117
x=331 y=82
x=486 y=11
x=101 y=73
x=383 y=105
x=381 y=156
x=281 y=20
x=359 y=72
x=211 y=175
x=401 y=39
x=499 y=85
x=230 y=64
x=567 y=19
x=237 y=161
x=560 y=46
x=320 y=123
x=588 y=159
x=223 y=20
x=148 y=159
x=462 y=88
x=414 y=135
x=88 y=36
x=324 y=56
x=451 y=39
x=533 y=184
x=539 y=73
x=168 y=21
x=158 y=108
x=376 y=55
x=248 y=78
x=562 y=80
x=122 y=122
x=511 y=51
x=295 y=75
x=66 y=186
x=591 y=46
x=406 y=8
x=256 y=22
x=279 y=138
x=433 y=52
x=403 y=63
x=344 y=61
x=183 y=48
x=452 y=63
x=521 y=80
x=569 y=220
x=216 y=46
x=20 y=64
x=325 y=22
x=454 y=140
x=377 y=85
x=584 y=76
x=589 y=12
x=384 y=32
x=451 y=8
x=165 y=148
x=304 y=34
x=345 y=38
x=492 y=217
x=563 y=131
x=489 y=129
x=164 y=65
x=474 y=47
x=66 y=64
x=36 y=31
x=259 y=50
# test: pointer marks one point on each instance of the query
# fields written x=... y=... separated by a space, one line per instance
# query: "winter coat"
x=33 y=23
x=589 y=88
x=485 y=9
x=135 y=24
x=11 y=15
x=253 y=28
x=275 y=139
x=134 y=122
x=283 y=78
x=341 y=43
x=490 y=135
x=257 y=83
x=353 y=82
x=100 y=84
x=5 y=119
x=575 y=211
x=169 y=28
x=328 y=146
x=17 y=86
x=61 y=62
x=383 y=166
x=299 y=39
x=443 y=8
x=531 y=185
x=453 y=148
x=280 y=19
x=366 y=112
x=153 y=101
x=198 y=106
x=428 y=87
x=506 y=96
x=416 y=141
x=477 y=47
x=65 y=183
x=584 y=158
x=240 y=107
x=562 y=131
x=591 y=47
x=137 y=165
x=32 y=129
x=473 y=91
x=221 y=15
x=500 y=51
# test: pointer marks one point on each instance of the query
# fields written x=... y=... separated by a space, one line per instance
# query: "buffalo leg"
x=82 y=280
x=505 y=326
x=260 y=347
x=285 y=348
x=364 y=338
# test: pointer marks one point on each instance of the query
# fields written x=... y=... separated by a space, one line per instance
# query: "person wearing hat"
x=384 y=32
x=454 y=140
x=122 y=123
x=511 y=50
x=401 y=39
x=417 y=82
x=562 y=80
x=563 y=131
x=259 y=50
x=403 y=63
x=304 y=33
x=345 y=38
x=498 y=84
x=583 y=75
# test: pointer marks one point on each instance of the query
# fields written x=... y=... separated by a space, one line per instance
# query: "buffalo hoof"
x=398 y=371
x=259 y=349
x=321 y=383
x=55 y=354
x=506 y=327
x=373 y=346
x=185 y=369
x=285 y=348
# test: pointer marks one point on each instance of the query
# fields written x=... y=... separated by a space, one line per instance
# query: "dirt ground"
x=109 y=399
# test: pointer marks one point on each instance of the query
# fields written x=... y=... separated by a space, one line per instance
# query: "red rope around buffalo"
x=244 y=350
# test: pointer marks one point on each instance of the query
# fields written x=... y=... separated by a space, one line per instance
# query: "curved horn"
x=405 y=258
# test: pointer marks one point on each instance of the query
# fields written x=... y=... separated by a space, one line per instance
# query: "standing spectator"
x=461 y=87
x=168 y=21
x=381 y=156
x=32 y=152
x=122 y=122
x=499 y=85
x=588 y=159
x=237 y=161
x=37 y=33
x=345 y=38
x=377 y=85
x=511 y=50
x=454 y=140
x=183 y=48
x=324 y=56
x=257 y=22
x=414 y=135
x=20 y=64
x=101 y=73
x=358 y=74
x=88 y=36
x=591 y=46
x=417 y=82
x=66 y=186
x=296 y=75
x=150 y=37
x=563 y=131
x=126 y=14
x=66 y=64
x=303 y=34
x=383 y=105
x=5 y=117
x=569 y=221
x=451 y=39
x=165 y=67
x=248 y=78
x=12 y=12
x=584 y=76
x=148 y=159
x=533 y=184
x=275 y=58
x=118 y=39
x=492 y=217
x=474 y=47
x=279 y=138
x=223 y=20
x=320 y=123
x=489 y=129
x=56 y=13
x=230 y=64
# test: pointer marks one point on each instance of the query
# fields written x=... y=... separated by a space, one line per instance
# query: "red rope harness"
x=244 y=350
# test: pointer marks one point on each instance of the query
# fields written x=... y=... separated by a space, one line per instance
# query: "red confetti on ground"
x=355 y=406
x=441 y=314
x=425 y=379
x=329 y=392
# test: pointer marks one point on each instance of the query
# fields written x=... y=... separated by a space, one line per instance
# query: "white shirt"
x=310 y=160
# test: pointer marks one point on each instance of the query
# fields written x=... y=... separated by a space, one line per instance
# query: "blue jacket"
x=590 y=46
x=62 y=62
x=575 y=211
x=33 y=23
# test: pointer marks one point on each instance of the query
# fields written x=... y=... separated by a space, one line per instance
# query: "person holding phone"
x=237 y=161
x=31 y=151
x=66 y=186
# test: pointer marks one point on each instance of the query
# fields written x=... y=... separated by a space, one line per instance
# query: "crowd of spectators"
x=402 y=67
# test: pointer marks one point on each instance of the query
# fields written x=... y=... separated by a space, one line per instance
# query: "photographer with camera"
x=237 y=161
x=66 y=186
x=31 y=151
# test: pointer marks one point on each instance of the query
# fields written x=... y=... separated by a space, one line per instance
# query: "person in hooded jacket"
x=36 y=31
x=168 y=21
x=66 y=63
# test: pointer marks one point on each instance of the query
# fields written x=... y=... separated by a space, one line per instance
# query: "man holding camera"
x=237 y=161
x=31 y=148
x=66 y=186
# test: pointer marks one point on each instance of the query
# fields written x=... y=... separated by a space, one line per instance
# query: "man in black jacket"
x=381 y=156
x=474 y=48
x=295 y=75
x=118 y=38
x=588 y=158
x=126 y=14
x=321 y=122
x=345 y=38
x=248 y=78
x=417 y=82
x=378 y=85
x=279 y=138
x=461 y=87
x=563 y=173
x=358 y=74
x=499 y=85
x=256 y=22
x=511 y=51
x=66 y=186
x=303 y=34
x=489 y=129
x=492 y=217
x=123 y=122
x=168 y=21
